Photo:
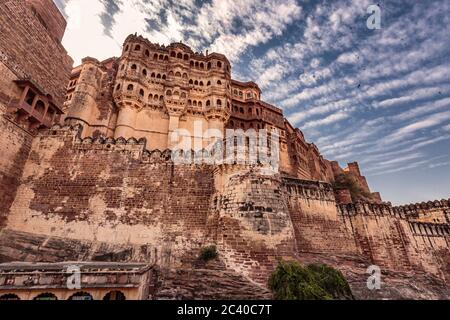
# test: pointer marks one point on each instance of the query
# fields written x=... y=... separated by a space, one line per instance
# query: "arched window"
x=9 y=297
x=40 y=107
x=118 y=87
x=185 y=75
x=235 y=92
x=166 y=58
x=180 y=55
x=219 y=102
x=169 y=93
x=45 y=297
x=137 y=48
x=114 y=295
x=164 y=77
x=153 y=75
x=191 y=82
x=250 y=110
x=202 y=66
x=158 y=76
x=186 y=57
x=130 y=87
x=141 y=92
x=161 y=57
x=176 y=93
x=155 y=56
x=183 y=95
x=178 y=74
x=235 y=109
x=219 y=64
x=192 y=63
x=200 y=104
x=189 y=102
x=150 y=97
x=194 y=103
x=147 y=53
x=156 y=97
x=208 y=103
x=219 y=83
x=201 y=83
x=144 y=72
x=161 y=98
x=196 y=64
x=173 y=54
x=241 y=110
x=170 y=73
x=208 y=66
x=81 y=296
x=209 y=83
x=133 y=67
x=196 y=82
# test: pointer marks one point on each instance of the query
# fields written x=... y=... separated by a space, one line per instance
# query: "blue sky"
x=379 y=97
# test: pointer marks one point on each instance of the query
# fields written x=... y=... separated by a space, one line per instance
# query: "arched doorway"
x=9 y=297
x=45 y=297
x=83 y=296
x=114 y=295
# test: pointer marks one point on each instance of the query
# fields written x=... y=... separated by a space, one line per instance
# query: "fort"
x=88 y=178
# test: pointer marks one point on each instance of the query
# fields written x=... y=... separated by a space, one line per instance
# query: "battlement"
x=426 y=212
x=316 y=190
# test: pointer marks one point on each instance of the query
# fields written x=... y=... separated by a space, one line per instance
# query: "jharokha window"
x=33 y=109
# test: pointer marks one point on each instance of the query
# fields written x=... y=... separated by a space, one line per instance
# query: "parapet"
x=314 y=190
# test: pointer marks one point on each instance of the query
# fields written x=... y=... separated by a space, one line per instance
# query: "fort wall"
x=393 y=237
x=111 y=191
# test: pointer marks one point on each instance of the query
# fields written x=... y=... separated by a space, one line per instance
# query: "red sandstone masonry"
x=28 y=49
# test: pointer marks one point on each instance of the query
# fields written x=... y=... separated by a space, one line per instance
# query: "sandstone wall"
x=17 y=144
x=318 y=228
x=111 y=192
x=254 y=229
x=392 y=240
x=31 y=51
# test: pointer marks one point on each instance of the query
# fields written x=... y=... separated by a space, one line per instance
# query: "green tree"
x=291 y=281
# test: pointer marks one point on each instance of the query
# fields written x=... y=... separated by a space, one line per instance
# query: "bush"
x=346 y=181
x=208 y=253
x=291 y=281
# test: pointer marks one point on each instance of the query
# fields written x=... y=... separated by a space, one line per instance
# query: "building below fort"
x=89 y=178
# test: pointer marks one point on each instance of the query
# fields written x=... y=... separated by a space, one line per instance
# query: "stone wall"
x=254 y=228
x=391 y=238
x=31 y=51
x=17 y=144
x=111 y=191
x=318 y=228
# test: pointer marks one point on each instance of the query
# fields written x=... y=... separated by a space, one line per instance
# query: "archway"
x=9 y=297
x=81 y=296
x=45 y=297
x=114 y=295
